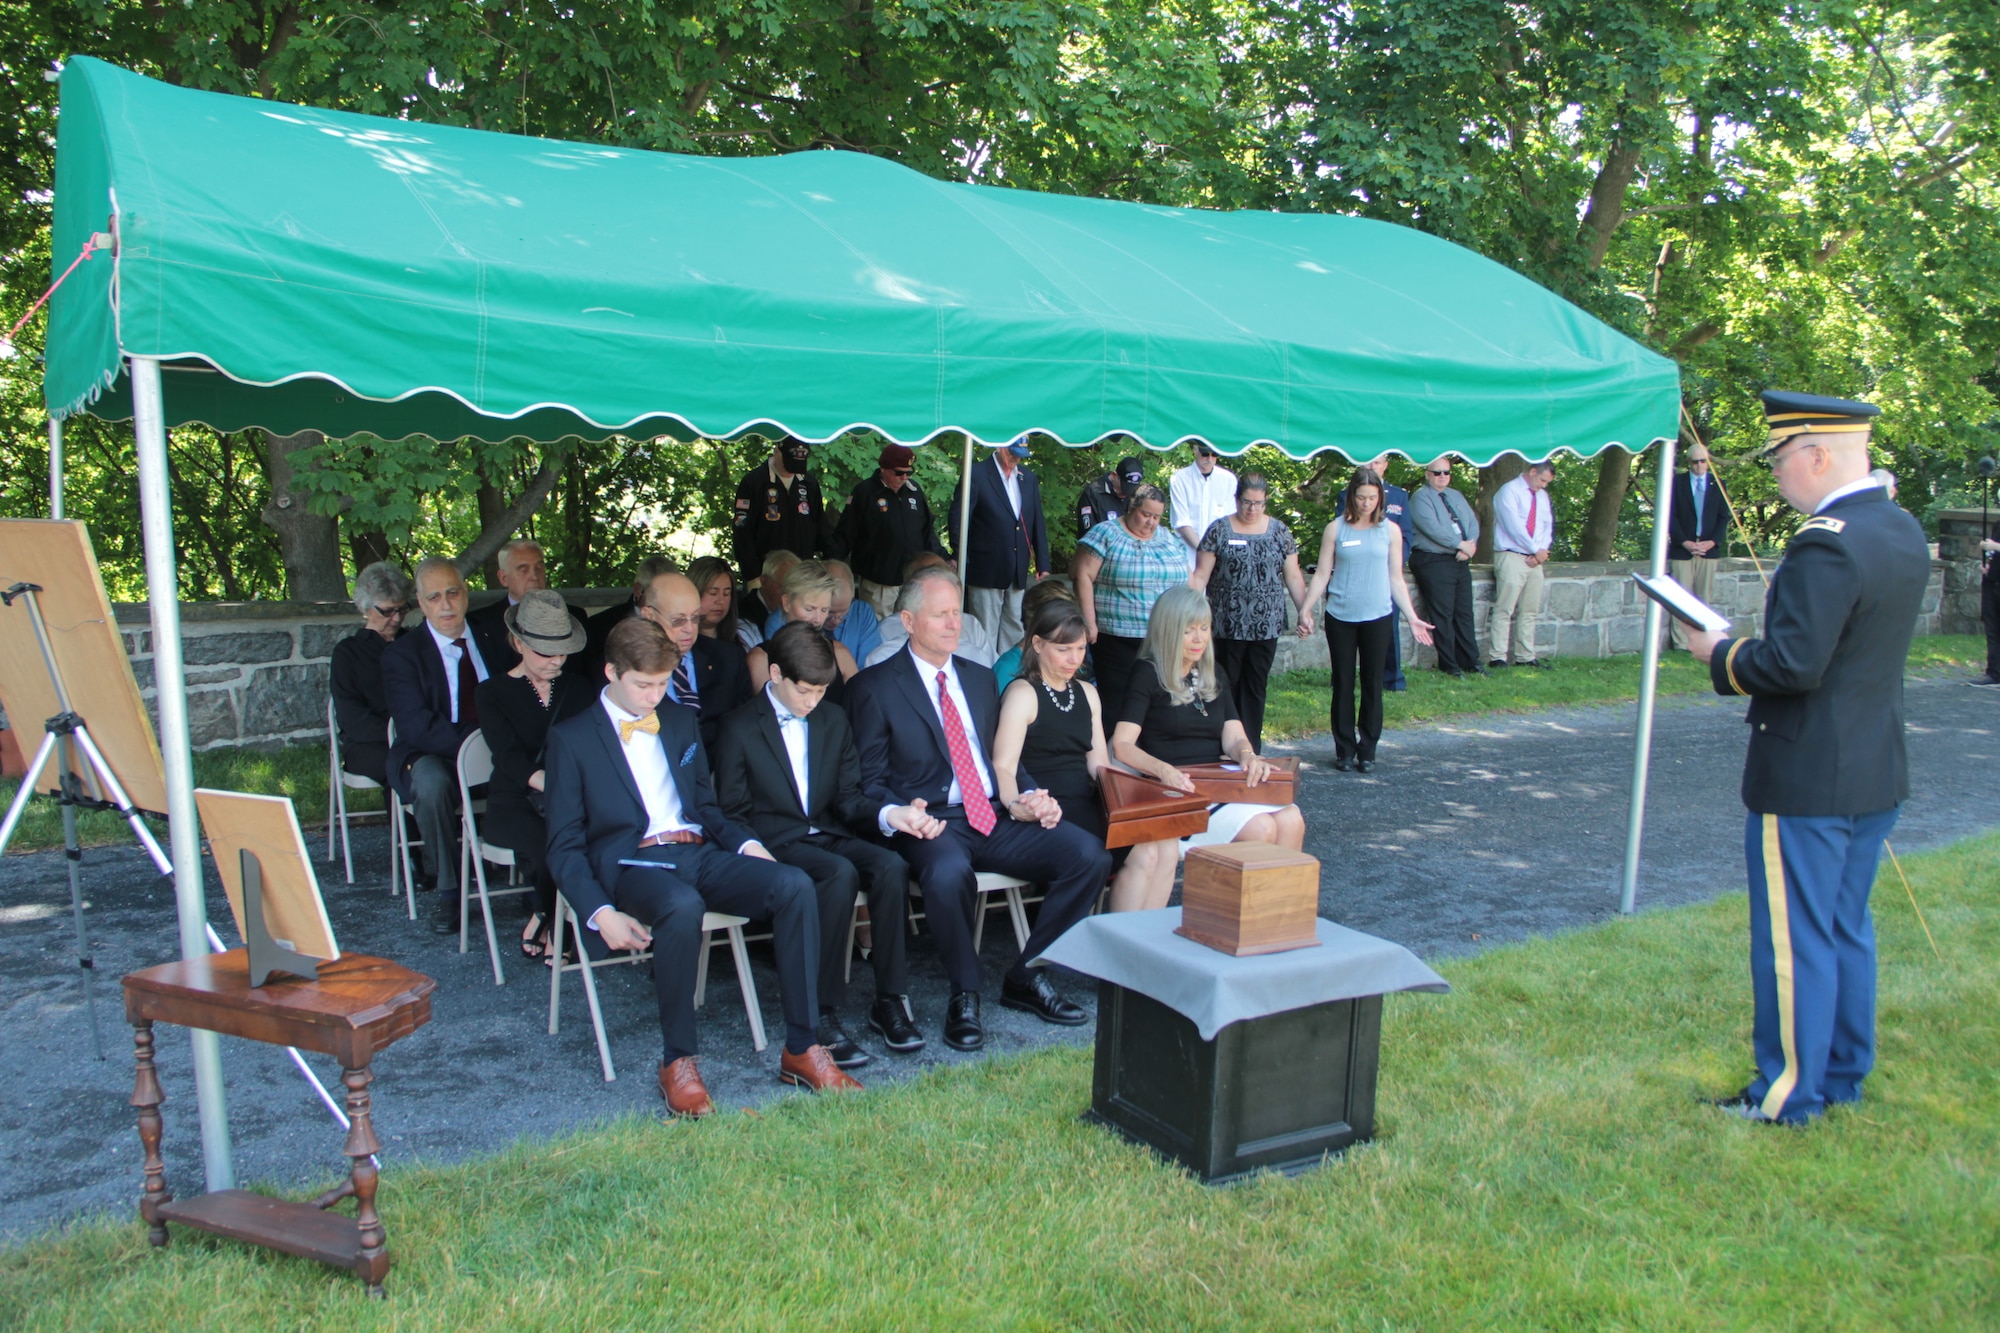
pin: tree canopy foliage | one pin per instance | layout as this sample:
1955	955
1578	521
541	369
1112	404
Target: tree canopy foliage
1771	192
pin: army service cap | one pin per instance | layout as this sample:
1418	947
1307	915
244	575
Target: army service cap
1789	415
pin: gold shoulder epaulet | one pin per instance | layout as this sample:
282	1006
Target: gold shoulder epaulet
1833	525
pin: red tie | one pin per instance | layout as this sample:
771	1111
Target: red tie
978	810
1534	507
468	686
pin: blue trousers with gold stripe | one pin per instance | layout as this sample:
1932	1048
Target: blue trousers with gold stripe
1812	957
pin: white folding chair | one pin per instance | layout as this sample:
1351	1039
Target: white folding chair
1009	889
400	840
475	769
338	783
989	883
711	922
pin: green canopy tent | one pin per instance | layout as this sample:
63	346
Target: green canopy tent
292	268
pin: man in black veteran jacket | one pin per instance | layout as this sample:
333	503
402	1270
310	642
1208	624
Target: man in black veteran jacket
785	765
1826	771
640	849
923	725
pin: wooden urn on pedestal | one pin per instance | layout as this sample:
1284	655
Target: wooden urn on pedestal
1247	898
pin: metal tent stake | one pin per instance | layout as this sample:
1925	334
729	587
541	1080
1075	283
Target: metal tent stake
1649	680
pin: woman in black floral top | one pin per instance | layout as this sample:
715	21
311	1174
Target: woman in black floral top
1247	564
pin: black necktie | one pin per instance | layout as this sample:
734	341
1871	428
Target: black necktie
468	685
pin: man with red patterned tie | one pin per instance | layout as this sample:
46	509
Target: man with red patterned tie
923	725
1523	525
430	679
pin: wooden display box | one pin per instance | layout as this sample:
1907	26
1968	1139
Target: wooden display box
1249	898
1270	1094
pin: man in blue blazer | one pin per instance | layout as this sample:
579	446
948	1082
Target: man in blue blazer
641	851
923	726
1007	532
1697	531
430	677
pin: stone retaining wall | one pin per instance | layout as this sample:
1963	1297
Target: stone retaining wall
256	671
1958	551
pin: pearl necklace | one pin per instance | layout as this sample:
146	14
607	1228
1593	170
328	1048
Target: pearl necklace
1068	700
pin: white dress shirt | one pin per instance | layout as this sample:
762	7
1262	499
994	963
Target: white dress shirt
793	730
647	759
927	676
1841	493
451	662
1512	504
1198	501
1011	483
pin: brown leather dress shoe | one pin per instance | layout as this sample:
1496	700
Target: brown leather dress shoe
686	1094
815	1071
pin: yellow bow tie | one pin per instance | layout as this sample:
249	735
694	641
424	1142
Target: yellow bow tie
650	724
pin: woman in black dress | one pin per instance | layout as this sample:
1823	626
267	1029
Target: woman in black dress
1052	724
515	713
1176	712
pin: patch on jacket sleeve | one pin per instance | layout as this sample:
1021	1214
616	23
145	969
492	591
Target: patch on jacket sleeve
1833	525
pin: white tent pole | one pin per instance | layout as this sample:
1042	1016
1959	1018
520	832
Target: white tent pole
55	469
156	518
1649	679
965	512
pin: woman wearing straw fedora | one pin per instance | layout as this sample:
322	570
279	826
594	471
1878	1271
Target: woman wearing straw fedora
515	713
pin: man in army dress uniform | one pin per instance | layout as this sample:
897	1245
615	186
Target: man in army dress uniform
779	507
886	524
1826	771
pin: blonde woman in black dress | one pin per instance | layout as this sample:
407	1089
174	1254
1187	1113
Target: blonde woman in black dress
1052	724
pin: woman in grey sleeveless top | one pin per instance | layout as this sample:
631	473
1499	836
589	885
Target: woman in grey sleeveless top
1361	572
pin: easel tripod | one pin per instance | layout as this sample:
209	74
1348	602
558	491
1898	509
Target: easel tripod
93	788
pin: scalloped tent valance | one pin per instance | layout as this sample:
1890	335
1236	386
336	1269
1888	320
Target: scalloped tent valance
299	268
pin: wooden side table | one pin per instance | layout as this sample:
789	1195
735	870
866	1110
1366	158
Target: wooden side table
359	1006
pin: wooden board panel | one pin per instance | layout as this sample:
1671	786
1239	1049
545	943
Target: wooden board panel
268	826
1139	809
280	1224
56	554
1220	784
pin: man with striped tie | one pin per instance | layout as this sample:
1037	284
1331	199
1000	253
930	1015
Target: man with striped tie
712	677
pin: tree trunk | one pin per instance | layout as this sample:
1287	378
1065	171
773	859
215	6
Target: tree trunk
1600	526
367	548
1505	468
493	534
309	543
492	504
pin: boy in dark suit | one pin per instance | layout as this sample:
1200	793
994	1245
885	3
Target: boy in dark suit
642	851
785	766
923	727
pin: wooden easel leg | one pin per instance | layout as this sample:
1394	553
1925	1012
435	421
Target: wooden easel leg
372	1264
146	1096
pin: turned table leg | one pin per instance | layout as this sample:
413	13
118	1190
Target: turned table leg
372	1265
146	1097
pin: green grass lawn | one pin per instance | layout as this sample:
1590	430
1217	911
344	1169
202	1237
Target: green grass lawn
1543	1161
1297	706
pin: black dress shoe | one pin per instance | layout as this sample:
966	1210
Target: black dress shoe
1496	663
444	918
1364	765
1038	996
1535	662
837	1043
962	1029
1341	762
890	1018
1453	672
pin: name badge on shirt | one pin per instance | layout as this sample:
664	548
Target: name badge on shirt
1238	541
1355	542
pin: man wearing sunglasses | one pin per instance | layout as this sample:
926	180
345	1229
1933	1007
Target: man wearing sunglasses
886	524
1447	534
1826	771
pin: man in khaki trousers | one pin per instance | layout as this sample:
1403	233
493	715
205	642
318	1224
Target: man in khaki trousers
1523	525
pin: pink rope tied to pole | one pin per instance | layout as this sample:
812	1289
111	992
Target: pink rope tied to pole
98	241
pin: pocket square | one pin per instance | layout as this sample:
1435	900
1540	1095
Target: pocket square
687	756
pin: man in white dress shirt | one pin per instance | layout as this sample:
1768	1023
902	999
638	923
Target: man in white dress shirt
642	851
1523	525
1201	492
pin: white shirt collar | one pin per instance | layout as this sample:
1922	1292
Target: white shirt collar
442	641
1851	488
928	673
